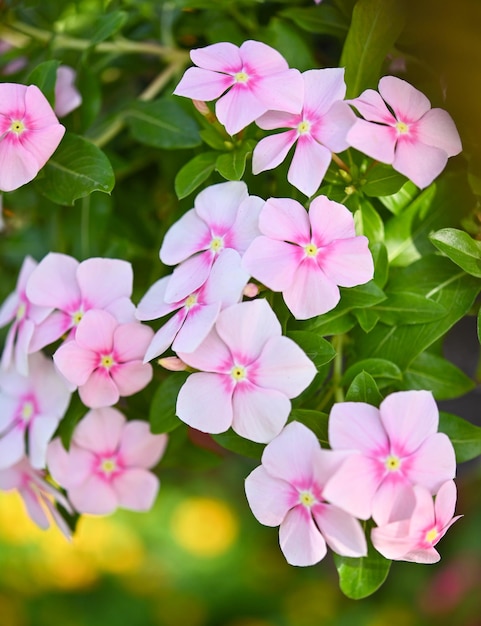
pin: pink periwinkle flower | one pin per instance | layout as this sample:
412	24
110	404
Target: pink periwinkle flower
108	462
24	317
30	410
71	288
255	77
307	255
401	128
287	491
319	129
393	448
196	314
29	134
224	216
67	96
105	360
249	372
38	495
413	538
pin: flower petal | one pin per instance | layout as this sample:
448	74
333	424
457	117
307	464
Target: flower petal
131	377
280	91
419	162
189	276
309	165
342	532
74	362
323	88
311	292
259	414
286	220
202	84
357	426
375	140
272	262
300	540
164	337
217	205
94	496
100	431
205	403
269	498
131	341
330	221
272	150
136	489
40	433
185	237
436	128
53	282
197	325
218	57
238	108
99	390
139	447
102	281
96	331
212	355
348	262
407	102
433	463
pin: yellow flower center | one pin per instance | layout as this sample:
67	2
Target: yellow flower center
17	126
241	77
107	361
108	466
216	244
27	411
306	498
431	535
190	301
392	463
303	127
76	317
311	250
402	128
21	310
238	373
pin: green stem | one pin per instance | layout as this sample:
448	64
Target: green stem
337	343
85	228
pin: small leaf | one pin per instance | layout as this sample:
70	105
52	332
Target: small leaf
397	202
465	437
162	417
194	173
232	165
438	375
323	19
381	264
409	308
107	25
317	349
383	371
315	420
364	389
235	443
45	77
460	248
368	222
367	319
382	180
76	169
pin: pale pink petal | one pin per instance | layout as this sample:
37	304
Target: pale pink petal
96	331
8	309
131	341
71	468
311	292
419	162
38	110
407	102
353	486
53	283
40	433
7	354
67	98
152	305
238	108
332	128
185	237
375	140
212	355
56	324
309	165
436	128
433	463
136	489
246	226
300	540
103	281
245	327
12	447
285	367
323	88
226	281
394	500
357	426
445	503
50	389
41	143
123	309
131	377
99	390
269	498
95	496
278	119
201	84
218	204
205	403
197	325
34	508
329	221
219	57
259	414
188	276
164	337
282	91
12	97
75	363
272	262
347	262
17	165
409	417
9	406
286	220
262	58
22	346
342	532
393	540
139	447
372	107
100	431
272	150
292	455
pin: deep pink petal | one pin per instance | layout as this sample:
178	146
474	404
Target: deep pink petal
272	150
436	128
407	102
75	363
205	403
94	496
201	84
99	390
269	498
309	165
348	262
103	281
286	220
96	331
136	489
259	414
272	262
53	283
375	140
311	292
357	426
131	377
433	463
300	540
238	108
184	238
419	162
342	532
139	447
217	205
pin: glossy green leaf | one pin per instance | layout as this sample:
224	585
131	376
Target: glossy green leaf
323	19
163	124
104	26
162	416
465	437
315	420
381	263
45	77
367	319
290	42
384	372
194	173
368	222
317	349
375	26
397	202
76	169
438	375
232	165
409	308
235	443
460	248
364	389
382	180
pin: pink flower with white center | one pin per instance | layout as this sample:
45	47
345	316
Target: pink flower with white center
60	282
105	360
255	76
108	462
416	139
29	134
307	255
224	216
393	448
196	314
249	372
287	491
37	494
30	410
413	538
25	316
319	129
67	96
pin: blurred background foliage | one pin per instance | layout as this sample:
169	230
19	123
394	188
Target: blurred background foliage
199	558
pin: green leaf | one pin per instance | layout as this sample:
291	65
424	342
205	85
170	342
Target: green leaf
213	138
375	26
317	349
323	19
384	372
359	578
460	248
76	169
397	202
315	420
194	173
232	165
235	443
367	319
162	416
438	375
409	308
364	389
365	295
333	323
465	437
368	222
382	180
45	77
163	124
291	43
381	264
107	25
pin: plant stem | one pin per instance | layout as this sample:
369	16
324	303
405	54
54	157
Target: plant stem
337	343
340	163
